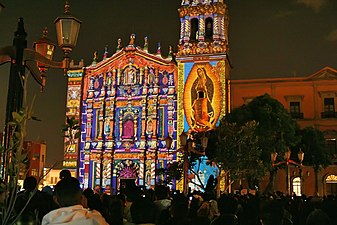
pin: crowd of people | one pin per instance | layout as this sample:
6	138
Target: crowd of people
69	204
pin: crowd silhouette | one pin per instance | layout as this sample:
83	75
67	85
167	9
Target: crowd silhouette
69	204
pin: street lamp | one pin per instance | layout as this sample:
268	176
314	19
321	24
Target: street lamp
67	29
37	61
288	161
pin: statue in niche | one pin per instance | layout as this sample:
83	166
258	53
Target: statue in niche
151	76
149	126
129	75
128	129
202	109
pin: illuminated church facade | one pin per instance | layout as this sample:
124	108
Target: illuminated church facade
128	103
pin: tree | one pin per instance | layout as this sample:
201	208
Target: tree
174	170
276	129
316	152
234	148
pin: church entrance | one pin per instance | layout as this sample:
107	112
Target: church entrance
128	183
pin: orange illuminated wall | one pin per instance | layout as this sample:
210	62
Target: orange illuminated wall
311	100
37	158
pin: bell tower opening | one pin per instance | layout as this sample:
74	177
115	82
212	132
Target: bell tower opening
209	29
194	29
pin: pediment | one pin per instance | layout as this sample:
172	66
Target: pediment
326	73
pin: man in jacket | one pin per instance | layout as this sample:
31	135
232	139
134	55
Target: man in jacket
71	212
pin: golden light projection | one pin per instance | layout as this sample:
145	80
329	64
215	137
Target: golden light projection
202	98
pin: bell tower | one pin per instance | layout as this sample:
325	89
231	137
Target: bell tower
203	64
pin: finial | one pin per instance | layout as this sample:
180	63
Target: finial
146	44
66	8
105	55
45	32
132	39
119	44
159	49
21	28
94	59
170	54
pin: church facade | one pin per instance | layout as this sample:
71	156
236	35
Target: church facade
132	100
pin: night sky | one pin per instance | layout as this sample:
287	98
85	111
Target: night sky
267	38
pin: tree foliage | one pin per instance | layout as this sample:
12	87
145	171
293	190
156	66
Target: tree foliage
234	148
276	129
313	145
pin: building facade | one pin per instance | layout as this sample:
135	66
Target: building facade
36	154
311	101
132	100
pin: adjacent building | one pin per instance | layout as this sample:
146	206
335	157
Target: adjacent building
311	101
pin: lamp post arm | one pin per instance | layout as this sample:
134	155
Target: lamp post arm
7	54
295	163
32	55
34	70
279	163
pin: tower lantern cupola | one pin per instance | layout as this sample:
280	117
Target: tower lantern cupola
203	27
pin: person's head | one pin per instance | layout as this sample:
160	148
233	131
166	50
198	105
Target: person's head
179	207
142	211
161	192
272	212
65	174
29	183
227	204
68	192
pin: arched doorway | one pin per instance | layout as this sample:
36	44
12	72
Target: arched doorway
297	186
331	184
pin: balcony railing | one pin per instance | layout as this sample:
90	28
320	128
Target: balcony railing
297	115
329	114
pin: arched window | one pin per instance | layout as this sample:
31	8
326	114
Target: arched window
297	186
194	29
209	29
331	184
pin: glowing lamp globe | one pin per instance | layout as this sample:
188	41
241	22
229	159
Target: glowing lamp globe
67	29
45	47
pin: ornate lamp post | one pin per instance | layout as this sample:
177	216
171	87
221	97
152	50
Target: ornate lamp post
288	161
37	60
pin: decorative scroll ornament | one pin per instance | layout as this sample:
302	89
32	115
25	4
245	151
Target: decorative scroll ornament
219	9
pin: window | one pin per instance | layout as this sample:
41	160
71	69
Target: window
329	108
294	102
194	29
295	110
331	145
329	105
297	186
209	29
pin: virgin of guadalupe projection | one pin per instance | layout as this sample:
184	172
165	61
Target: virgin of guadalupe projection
202	98
202	114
